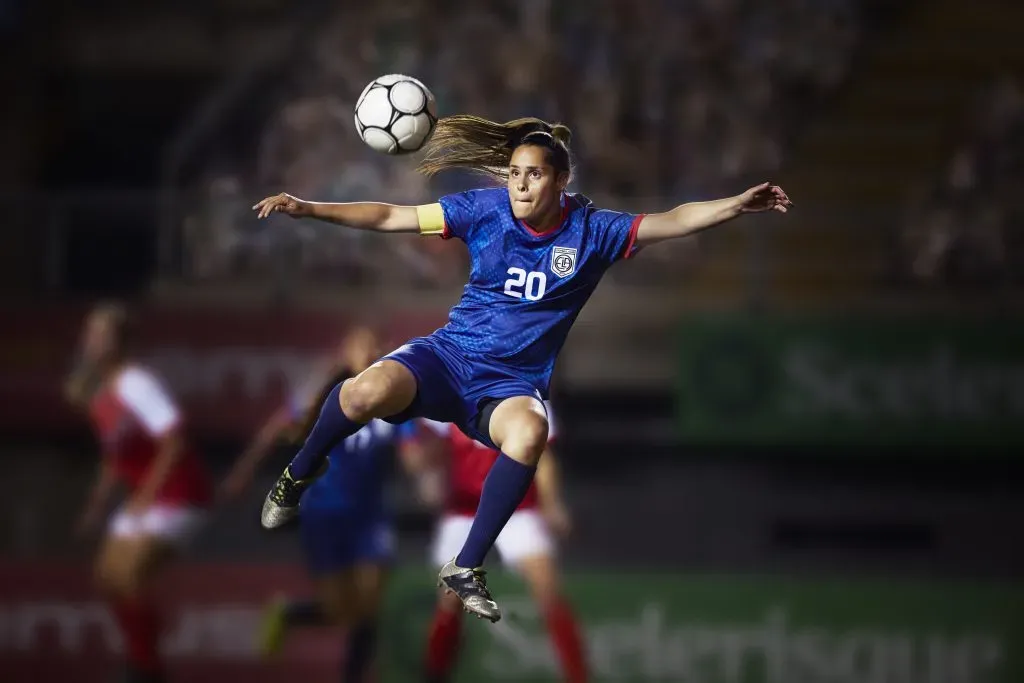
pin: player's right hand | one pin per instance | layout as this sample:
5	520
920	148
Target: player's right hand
282	203
558	519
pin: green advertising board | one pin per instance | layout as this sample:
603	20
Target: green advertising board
763	380
689	629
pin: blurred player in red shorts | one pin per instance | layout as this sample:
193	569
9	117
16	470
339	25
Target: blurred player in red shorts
144	449
526	544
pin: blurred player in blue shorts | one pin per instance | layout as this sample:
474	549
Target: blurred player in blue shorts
536	255
344	521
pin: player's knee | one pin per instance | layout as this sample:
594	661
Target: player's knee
363	397
526	438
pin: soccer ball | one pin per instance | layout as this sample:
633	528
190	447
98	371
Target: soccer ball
395	114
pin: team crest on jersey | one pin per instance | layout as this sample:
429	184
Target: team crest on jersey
563	261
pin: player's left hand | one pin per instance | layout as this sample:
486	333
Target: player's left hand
764	197
558	519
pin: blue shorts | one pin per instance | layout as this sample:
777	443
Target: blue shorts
450	388
334	539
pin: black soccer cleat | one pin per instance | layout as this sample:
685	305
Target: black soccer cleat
281	505
471	587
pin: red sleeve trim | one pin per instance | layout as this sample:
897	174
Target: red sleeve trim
631	248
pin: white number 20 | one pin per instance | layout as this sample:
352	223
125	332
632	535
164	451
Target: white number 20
532	285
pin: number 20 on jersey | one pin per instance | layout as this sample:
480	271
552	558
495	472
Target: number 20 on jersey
522	284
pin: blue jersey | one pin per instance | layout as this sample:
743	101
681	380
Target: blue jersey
526	288
354	482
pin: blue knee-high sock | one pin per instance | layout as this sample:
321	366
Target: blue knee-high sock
362	644
330	428
505	486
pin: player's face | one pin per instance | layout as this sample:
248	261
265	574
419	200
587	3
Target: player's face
534	186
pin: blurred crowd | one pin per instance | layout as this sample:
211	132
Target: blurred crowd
669	101
965	229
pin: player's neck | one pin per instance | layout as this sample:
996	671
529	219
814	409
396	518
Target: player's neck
551	219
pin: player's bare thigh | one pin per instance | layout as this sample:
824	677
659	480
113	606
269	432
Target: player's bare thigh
127	563
519	427
384	389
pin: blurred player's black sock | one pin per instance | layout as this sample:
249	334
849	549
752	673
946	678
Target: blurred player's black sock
330	428
362	644
304	613
505	486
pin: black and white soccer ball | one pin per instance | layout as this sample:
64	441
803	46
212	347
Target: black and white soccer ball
396	114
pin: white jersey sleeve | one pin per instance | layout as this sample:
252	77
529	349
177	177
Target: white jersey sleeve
148	401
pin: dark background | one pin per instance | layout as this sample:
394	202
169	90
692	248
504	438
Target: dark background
696	440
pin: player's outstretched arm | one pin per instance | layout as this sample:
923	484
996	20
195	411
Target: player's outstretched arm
102	489
360	215
549	490
687	219
169	451
244	469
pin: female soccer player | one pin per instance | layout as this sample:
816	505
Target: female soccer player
526	544
536	255
347	537
144	448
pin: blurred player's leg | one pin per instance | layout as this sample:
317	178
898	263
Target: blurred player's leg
348	599
446	627
347	553
361	648
541	575
384	389
137	547
444	639
282	615
526	544
124	566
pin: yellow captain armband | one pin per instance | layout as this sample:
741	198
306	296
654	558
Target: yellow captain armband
431	219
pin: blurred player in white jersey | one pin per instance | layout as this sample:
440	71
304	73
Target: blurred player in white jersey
145	451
